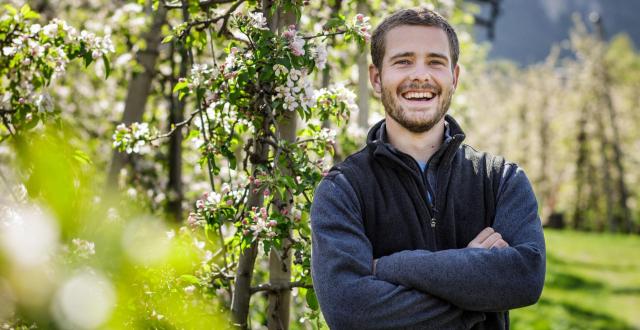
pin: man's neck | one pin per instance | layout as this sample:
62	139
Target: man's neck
420	146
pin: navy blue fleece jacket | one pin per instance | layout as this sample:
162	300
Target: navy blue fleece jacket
421	289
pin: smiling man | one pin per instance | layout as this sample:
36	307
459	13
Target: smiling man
418	230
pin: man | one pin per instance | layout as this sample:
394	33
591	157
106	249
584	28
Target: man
418	230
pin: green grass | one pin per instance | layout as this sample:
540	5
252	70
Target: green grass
593	282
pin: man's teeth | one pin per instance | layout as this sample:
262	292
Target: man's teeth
418	95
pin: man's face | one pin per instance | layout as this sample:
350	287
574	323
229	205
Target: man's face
416	81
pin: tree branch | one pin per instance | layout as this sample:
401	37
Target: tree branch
202	4
326	35
206	22
275	288
176	126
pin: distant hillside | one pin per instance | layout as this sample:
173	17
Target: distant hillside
526	29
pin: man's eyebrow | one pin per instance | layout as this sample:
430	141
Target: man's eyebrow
399	55
412	54
439	55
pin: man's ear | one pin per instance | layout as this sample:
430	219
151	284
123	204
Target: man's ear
456	74
374	78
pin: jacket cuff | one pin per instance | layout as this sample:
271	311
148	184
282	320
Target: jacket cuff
387	267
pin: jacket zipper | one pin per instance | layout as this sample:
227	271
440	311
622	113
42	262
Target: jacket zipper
429	206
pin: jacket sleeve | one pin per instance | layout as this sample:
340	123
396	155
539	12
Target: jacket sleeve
350	296
483	279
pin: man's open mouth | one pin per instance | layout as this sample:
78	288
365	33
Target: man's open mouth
418	96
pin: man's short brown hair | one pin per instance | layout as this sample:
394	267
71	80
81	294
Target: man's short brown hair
415	16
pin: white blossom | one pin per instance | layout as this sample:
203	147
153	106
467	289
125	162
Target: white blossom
320	56
8	50
297	46
258	21
280	69
361	26
189	289
35	28
44	103
296	42
83	248
50	30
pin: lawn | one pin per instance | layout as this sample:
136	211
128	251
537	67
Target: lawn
593	282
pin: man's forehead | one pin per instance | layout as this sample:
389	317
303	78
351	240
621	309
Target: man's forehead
416	39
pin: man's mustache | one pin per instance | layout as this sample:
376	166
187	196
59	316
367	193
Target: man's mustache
420	86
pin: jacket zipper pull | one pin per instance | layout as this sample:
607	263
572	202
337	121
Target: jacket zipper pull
433	222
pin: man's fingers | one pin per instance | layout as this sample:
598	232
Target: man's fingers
488	239
481	237
492	239
499	244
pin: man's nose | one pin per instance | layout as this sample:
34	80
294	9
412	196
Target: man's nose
420	72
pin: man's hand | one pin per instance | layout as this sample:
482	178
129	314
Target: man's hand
488	239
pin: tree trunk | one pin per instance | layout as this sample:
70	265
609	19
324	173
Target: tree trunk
326	80
246	261
581	169
139	87
623	213
280	259
279	265
174	186
363	78
625	221
543	178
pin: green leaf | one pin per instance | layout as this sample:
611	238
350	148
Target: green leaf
180	85
267	246
12	11
192	134
312	300
82	157
189	279
87	59
167	39
28	13
334	22
107	66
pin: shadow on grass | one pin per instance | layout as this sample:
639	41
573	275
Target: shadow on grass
552	259
568	281
557	278
626	291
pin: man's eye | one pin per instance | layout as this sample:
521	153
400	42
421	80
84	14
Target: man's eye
436	63
403	62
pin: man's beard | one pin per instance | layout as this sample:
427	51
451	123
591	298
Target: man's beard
393	108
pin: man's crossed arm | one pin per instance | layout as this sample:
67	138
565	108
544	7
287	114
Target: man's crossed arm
486	239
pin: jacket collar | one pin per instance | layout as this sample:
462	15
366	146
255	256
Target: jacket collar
378	144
